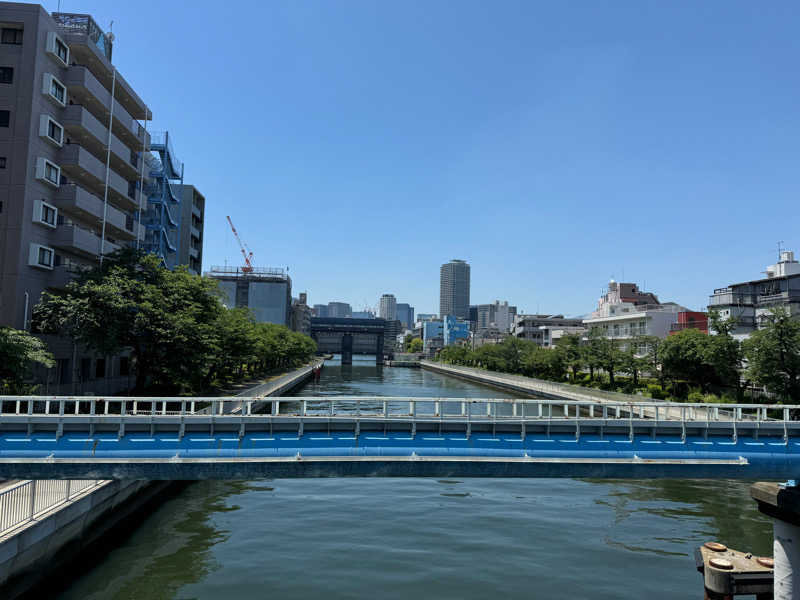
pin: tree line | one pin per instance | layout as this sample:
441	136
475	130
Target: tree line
689	365
181	338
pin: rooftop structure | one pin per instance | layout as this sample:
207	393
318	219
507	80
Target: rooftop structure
266	292
749	302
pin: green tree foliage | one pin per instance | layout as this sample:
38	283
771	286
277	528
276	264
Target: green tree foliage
19	351
684	357
415	345
572	352
773	355
725	352
180	335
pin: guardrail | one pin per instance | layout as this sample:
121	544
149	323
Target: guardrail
76	408
22	502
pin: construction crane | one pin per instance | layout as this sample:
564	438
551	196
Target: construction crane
246	252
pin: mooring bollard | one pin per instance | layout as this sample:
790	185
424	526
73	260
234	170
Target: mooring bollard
728	573
782	503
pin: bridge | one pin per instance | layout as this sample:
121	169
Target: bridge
202	438
349	336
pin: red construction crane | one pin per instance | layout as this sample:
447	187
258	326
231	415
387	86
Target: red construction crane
246	252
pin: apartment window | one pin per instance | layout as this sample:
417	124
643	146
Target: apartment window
86	368
64	372
44	213
124	366
51	130
57	47
5	118
2	162
47	171
11	36
100	368
6	74
132	190
54	89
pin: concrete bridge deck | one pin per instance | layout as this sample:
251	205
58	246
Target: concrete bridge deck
172	438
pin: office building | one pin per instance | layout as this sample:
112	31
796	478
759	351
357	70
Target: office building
749	302
454	329
340	310
454	289
320	310
363	314
388	307
405	314
498	315
266	292
190	245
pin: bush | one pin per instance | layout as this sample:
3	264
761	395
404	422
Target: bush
655	391
697	397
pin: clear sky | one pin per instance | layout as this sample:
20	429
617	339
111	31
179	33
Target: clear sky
552	145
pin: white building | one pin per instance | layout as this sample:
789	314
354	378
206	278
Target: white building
625	312
538	328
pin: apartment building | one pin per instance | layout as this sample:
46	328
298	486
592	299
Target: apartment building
69	188
498	315
454	286
625	312
545	330
749	302
388	307
193	216
60	209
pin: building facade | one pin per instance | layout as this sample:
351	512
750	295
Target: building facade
540	328
388	307
689	319
266	292
454	288
301	314
498	315
749	303
193	216
626	312
58	214
405	314
454	329
339	310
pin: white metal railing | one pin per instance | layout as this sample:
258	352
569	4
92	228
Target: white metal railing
76	409
22	502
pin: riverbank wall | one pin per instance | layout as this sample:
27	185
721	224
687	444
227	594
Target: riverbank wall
50	540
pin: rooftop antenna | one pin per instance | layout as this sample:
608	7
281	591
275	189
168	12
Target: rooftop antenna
110	33
780	249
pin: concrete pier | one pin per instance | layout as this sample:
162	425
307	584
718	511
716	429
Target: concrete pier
782	503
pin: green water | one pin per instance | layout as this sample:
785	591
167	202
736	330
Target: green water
423	538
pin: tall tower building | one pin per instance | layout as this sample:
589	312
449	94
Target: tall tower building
388	307
454	289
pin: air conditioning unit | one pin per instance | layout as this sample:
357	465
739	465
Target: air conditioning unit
45	121
54	89
43	166
57	48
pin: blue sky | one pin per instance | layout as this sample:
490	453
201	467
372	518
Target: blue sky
551	145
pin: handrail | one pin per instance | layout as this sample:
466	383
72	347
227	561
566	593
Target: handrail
22	502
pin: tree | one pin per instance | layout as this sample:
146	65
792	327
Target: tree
593	350
685	357
414	345
167	318
19	351
724	352
571	349
630	360
609	357
652	358
773	355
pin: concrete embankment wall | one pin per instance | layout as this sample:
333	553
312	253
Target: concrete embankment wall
32	552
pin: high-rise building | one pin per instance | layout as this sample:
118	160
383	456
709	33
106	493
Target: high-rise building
266	292
388	307
454	289
193	211
301	314
340	310
320	310
60	208
405	314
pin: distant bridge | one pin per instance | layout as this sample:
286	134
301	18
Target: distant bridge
350	336
185	438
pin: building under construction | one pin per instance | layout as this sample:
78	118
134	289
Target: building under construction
266	292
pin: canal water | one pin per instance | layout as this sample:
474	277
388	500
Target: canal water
423	538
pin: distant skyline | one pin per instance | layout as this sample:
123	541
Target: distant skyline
550	145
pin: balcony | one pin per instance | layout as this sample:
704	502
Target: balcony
88	45
84	168
196	212
86	90
77	202
195	232
83	128
728	298
194	252
78	240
